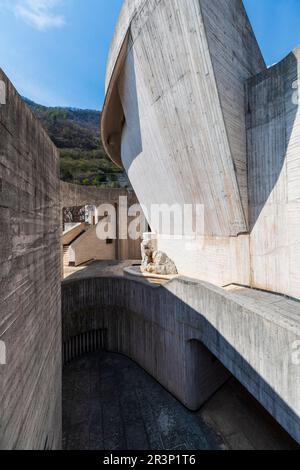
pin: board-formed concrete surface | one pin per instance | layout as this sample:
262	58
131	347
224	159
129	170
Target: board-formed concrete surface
273	131
30	301
110	403
184	332
203	121
184	136
178	76
72	195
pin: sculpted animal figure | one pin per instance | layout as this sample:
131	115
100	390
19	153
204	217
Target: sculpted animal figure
156	262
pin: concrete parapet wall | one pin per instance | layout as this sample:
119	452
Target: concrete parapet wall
30	307
70	235
273	131
171	331
183	137
72	195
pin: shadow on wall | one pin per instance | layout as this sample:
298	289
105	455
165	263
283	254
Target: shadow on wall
131	141
271	112
171	340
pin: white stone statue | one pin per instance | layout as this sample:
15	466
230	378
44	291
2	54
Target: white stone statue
154	261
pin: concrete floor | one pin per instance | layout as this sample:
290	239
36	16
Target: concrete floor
110	403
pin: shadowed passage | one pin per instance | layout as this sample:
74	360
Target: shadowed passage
110	403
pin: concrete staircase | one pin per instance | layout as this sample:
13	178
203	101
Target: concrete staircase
66	257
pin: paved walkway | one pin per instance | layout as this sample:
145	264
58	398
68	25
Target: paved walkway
110	403
97	269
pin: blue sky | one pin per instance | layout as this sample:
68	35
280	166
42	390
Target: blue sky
55	51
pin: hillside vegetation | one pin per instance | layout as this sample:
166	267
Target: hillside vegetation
76	133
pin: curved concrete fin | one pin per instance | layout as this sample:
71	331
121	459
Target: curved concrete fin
235	57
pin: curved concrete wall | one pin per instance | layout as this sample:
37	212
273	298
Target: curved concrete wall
158	328
273	131
30	301
72	233
88	247
72	195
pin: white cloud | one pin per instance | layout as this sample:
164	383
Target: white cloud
40	14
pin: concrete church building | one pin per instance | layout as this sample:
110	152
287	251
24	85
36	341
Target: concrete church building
195	117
